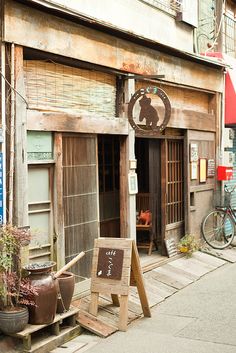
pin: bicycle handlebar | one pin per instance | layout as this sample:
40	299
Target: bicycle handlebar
226	188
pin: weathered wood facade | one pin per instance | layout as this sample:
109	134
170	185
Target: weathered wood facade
73	142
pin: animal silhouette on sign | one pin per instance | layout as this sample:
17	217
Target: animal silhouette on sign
148	112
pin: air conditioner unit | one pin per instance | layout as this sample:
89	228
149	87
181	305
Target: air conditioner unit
188	12
229	158
228	137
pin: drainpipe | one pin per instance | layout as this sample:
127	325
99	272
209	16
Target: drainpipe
221	156
12	135
3	150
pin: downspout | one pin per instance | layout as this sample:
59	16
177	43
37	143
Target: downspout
3	110
12	135
221	156
222	122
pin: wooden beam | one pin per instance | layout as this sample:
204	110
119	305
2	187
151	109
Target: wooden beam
72	122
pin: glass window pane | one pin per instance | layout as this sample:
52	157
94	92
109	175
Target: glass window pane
38	184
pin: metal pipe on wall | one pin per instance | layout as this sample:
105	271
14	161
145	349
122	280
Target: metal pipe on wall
12	135
3	123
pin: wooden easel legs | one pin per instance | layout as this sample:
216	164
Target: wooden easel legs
123	318
121	301
93	307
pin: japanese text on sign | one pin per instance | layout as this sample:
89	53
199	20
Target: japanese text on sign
110	262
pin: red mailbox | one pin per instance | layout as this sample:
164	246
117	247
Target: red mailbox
224	173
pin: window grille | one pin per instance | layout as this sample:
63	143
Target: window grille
229	34
175	182
170	6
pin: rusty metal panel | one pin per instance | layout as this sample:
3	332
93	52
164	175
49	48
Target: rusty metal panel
35	29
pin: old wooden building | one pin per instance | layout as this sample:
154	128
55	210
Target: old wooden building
68	73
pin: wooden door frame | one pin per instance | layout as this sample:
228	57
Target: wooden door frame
163	150
163	193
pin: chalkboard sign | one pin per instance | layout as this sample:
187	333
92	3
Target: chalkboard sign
110	263
115	268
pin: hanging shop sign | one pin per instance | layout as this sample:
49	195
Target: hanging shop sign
140	109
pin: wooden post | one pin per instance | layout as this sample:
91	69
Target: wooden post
21	167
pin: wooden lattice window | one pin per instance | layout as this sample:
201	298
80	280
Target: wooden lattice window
175	182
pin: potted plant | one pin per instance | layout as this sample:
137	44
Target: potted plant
15	291
188	244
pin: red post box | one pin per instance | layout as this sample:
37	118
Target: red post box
224	173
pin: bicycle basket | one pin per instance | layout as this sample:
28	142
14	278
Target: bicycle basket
220	200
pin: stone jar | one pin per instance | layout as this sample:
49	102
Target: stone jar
41	278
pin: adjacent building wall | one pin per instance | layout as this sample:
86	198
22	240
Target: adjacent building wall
141	18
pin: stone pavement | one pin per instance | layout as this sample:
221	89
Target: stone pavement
195	319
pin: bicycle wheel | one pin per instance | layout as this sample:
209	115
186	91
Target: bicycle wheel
218	229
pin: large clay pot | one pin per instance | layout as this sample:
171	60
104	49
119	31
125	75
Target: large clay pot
66	284
46	301
13	321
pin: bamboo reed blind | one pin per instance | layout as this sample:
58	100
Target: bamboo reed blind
51	86
175	182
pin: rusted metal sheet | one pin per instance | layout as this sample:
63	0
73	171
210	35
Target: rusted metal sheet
35	29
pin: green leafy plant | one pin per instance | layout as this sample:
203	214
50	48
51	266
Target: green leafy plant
188	244
14	289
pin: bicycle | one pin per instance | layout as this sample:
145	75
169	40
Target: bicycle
218	227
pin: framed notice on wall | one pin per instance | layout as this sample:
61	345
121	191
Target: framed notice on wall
193	170
211	168
193	152
202	170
